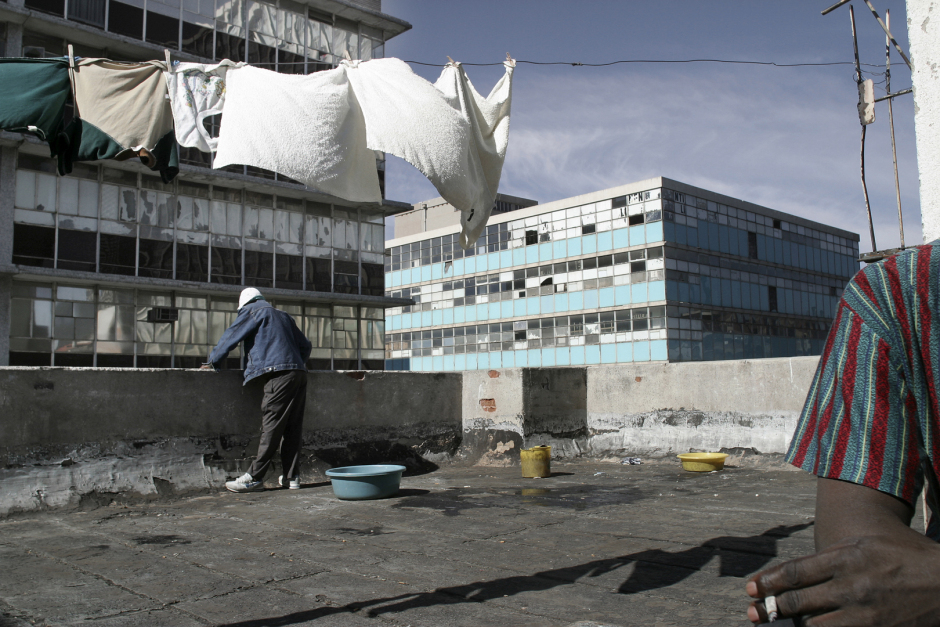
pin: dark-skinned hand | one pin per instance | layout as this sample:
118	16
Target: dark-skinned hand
885	574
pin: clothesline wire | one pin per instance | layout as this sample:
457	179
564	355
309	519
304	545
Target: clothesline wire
578	63
731	61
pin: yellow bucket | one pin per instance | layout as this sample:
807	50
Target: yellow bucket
702	462
536	461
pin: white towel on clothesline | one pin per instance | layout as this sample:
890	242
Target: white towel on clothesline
309	128
321	129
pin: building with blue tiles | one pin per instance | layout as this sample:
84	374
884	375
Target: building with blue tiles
651	271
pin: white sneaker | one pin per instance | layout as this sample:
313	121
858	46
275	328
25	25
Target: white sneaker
245	483
294	483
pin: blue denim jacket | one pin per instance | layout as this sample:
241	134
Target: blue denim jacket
272	341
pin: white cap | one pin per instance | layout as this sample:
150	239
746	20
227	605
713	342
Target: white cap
249	294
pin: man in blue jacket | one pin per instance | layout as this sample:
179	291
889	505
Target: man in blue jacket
277	353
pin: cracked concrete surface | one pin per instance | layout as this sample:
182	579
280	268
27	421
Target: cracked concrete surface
475	546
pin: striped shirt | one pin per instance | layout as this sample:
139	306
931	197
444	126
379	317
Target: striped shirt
872	416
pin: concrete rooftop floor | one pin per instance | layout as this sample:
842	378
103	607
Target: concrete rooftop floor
596	543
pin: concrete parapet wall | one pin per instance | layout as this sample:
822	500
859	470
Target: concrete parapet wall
68	434
666	408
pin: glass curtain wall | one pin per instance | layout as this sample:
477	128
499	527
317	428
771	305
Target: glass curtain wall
110	221
65	324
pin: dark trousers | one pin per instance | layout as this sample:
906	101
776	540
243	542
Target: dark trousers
282	421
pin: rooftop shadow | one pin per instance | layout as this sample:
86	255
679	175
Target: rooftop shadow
740	556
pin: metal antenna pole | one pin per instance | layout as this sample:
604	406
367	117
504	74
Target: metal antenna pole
894	150
858	79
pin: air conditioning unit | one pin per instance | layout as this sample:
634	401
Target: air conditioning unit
163	314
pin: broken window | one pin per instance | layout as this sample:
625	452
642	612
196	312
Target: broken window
155	259
127	20
226	265
289	272
77	250
346	277
259	268
118	254
192	263
33	245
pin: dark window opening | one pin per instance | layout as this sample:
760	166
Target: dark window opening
634	220
226	266
87	11
74	360
619	201
266	56
33	245
30	359
260	172
752	245
772	297
345	277
123	19
77	250
155	259
776	224
289	273
373	279
289	63
259	269
531	237
193	363
115	361
163	30
588	228
605	261
319	277
153	361
55	7
229	47
192	263
197	40
118	254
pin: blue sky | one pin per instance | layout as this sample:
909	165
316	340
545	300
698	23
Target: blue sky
785	138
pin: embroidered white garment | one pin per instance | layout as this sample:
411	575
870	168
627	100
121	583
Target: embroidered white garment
309	128
321	130
196	92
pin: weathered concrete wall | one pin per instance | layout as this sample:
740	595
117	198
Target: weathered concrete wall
655	409
68	434
492	415
923	31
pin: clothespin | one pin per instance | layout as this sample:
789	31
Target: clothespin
169	63
451	60
346	54
71	57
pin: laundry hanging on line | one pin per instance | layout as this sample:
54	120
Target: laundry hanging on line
121	112
321	129
329	123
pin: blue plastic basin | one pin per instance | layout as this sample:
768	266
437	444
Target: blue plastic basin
357	483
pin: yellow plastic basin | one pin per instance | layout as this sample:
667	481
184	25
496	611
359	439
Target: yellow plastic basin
702	462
